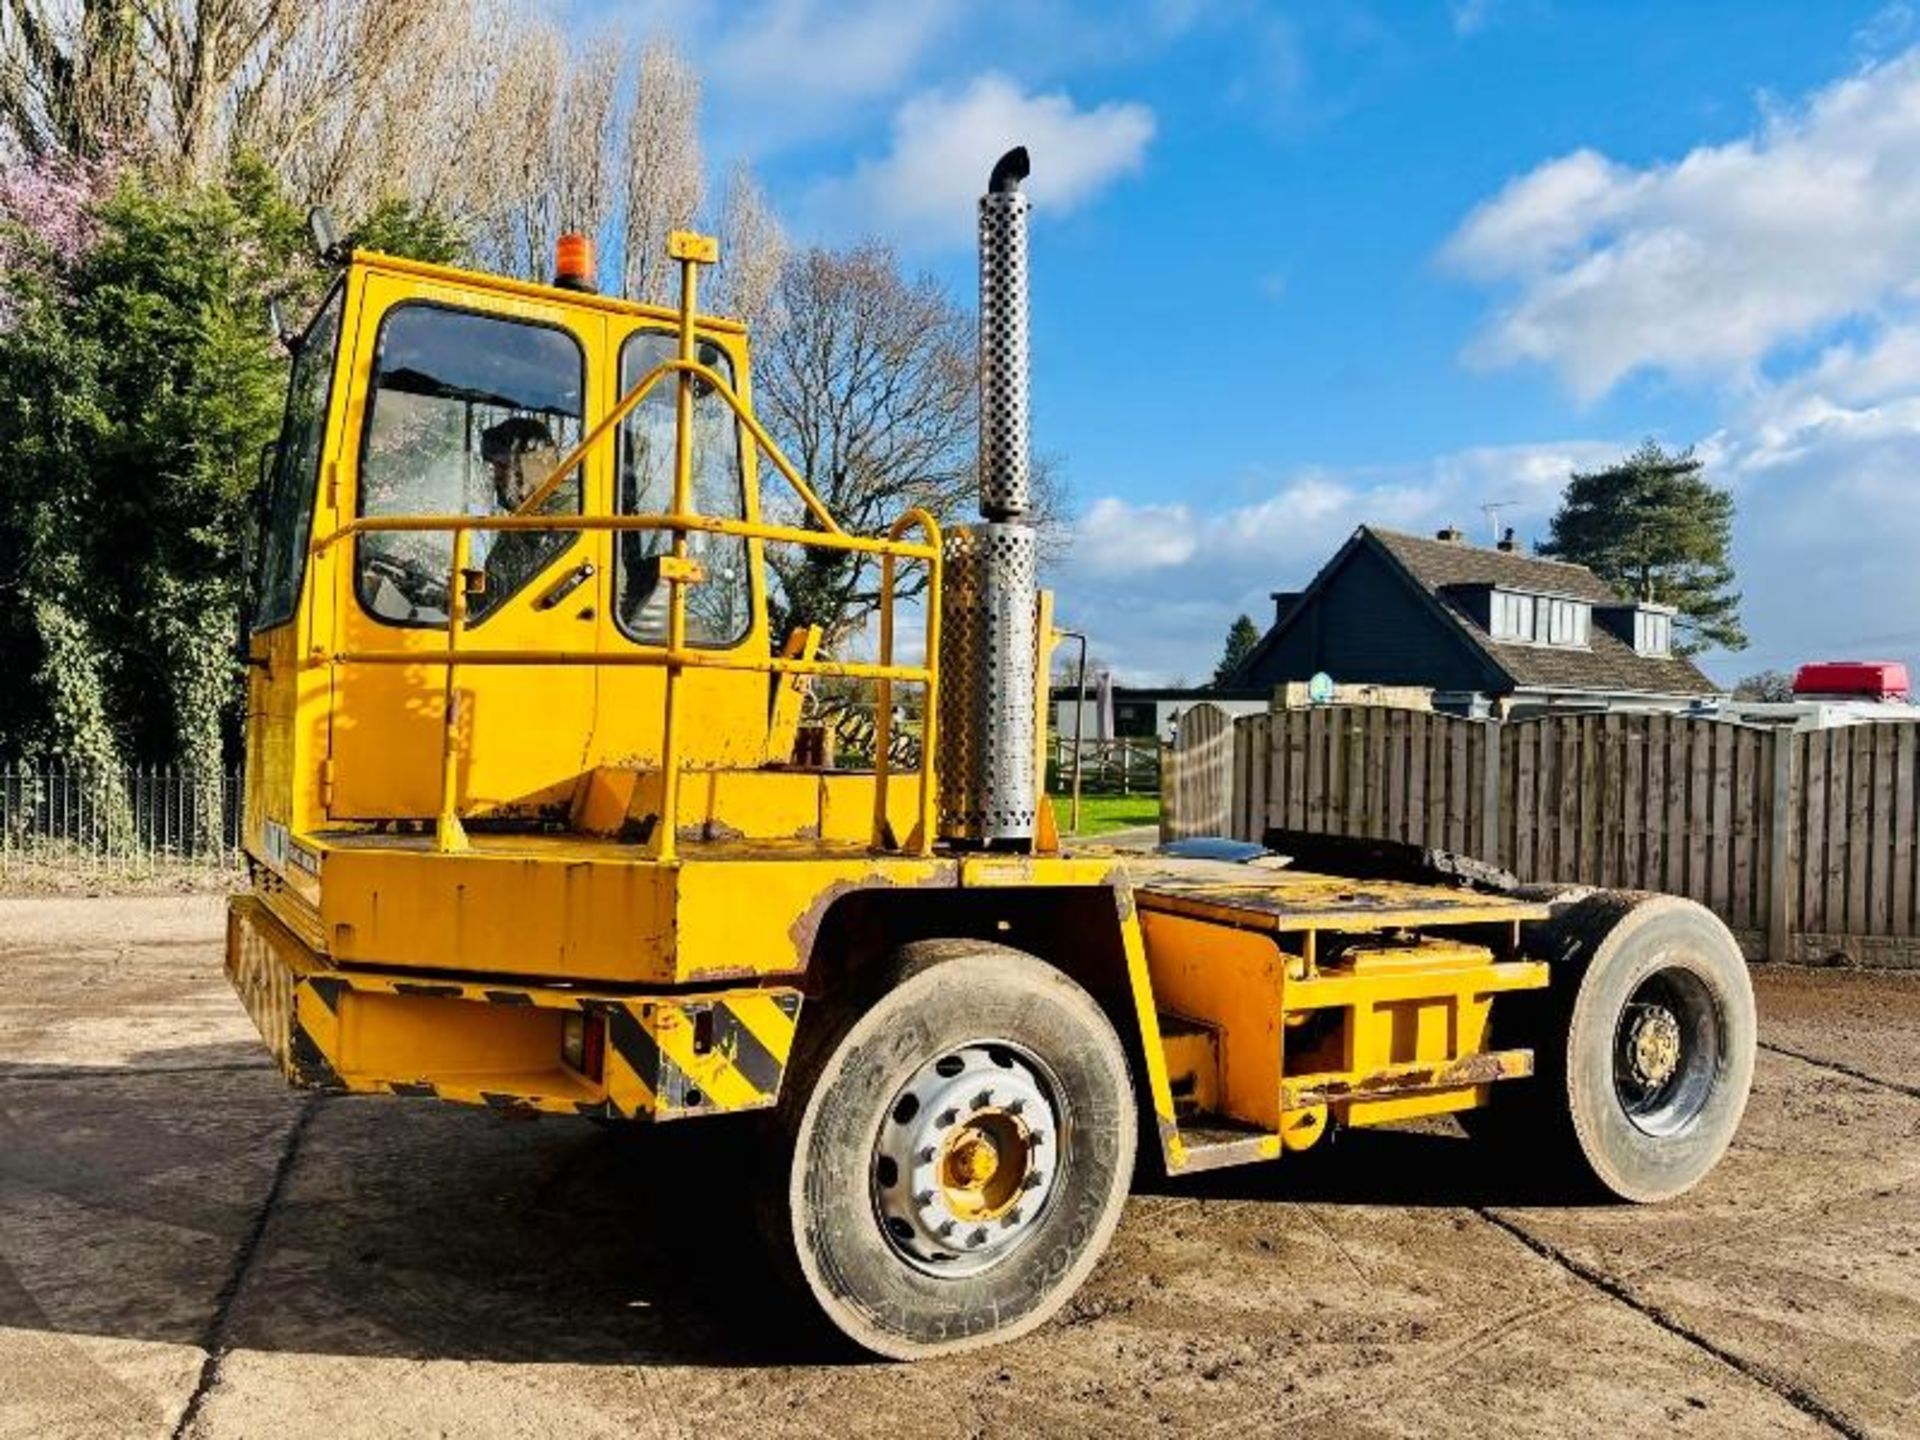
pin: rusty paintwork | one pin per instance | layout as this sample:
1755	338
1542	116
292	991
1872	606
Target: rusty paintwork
1307	1091
1292	900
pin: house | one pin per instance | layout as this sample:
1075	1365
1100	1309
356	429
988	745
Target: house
1488	629
1144	713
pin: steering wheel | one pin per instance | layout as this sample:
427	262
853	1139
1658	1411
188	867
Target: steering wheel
418	583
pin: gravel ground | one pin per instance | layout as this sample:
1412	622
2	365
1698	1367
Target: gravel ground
186	1247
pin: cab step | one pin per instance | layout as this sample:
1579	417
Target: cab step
1214	1142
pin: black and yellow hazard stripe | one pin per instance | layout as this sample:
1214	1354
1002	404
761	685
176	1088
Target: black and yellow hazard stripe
701	1055
666	1057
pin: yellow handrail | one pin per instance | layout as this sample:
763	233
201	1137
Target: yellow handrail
706	524
883	694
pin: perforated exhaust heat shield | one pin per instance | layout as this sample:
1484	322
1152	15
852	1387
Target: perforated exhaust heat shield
1006	490
987	662
988	643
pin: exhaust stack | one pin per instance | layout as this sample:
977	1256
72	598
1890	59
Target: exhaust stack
989	645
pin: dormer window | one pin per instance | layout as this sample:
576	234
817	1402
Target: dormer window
1522	619
1648	628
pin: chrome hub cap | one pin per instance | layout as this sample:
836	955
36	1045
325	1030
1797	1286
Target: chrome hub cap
966	1159
1668	1051
1654	1045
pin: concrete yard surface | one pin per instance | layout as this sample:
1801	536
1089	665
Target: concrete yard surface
189	1248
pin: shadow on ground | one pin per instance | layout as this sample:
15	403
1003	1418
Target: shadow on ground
417	1230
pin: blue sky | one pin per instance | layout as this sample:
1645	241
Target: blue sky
1302	266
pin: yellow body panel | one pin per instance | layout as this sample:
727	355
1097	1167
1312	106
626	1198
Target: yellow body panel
1232	981
1376	1031
500	1045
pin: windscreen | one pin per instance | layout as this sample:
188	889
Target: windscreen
467	415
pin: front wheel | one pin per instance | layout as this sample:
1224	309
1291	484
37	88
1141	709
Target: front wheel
956	1151
1644	1044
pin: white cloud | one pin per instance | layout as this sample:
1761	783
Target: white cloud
1116	538
783	51
945	141
1825	468
1156	585
1705	267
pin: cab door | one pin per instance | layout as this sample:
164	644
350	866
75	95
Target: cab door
467	398
726	709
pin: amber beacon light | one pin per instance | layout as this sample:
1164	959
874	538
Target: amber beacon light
573	262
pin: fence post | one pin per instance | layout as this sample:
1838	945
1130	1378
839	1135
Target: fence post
1490	795
1780	866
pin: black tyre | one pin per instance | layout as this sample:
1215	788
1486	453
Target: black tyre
955	1149
1643	1045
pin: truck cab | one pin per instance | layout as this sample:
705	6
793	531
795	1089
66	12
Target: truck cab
420	391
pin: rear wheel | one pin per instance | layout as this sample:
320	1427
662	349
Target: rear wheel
956	1151
1643	1045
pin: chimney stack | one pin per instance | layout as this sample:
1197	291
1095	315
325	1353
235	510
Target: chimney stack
1452	535
1507	542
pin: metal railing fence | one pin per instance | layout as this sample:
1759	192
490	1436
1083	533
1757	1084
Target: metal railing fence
1107	767
129	822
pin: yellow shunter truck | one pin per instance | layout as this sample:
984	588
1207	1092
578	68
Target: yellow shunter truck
532	823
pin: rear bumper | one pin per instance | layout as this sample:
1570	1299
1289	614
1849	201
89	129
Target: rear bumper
360	1031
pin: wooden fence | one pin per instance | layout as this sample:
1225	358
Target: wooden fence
1803	842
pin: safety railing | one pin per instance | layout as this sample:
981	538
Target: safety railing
678	570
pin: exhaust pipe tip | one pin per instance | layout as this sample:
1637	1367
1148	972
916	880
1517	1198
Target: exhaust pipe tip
1008	171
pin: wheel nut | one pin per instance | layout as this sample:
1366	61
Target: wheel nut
983	1100
926	1155
924	1198
1013	1216
979	1237
948	1117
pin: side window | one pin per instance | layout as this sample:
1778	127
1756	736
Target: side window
719	609
296	470
467	414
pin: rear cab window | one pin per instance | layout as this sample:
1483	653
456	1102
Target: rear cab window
720	608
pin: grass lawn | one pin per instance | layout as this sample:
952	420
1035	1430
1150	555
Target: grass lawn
1102	813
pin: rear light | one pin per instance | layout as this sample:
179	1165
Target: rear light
583	1044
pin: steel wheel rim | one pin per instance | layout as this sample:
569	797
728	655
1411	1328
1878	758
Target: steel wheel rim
1669	1046
967	1158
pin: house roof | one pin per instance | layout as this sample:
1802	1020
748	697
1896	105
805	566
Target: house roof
1437	564
1440	567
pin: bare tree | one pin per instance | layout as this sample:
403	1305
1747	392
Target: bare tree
585	178
665	178
198	51
515	190
753	251
870	385
69	81
479	108
361	101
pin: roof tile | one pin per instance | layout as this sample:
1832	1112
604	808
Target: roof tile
1609	665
